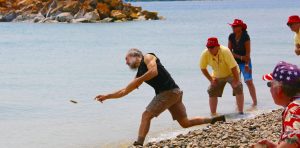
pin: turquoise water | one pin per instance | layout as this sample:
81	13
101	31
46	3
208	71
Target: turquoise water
43	66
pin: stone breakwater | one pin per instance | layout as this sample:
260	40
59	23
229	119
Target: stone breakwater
72	11
235	134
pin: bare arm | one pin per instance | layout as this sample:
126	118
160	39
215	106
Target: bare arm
236	76
246	58
229	45
297	49
122	92
206	74
150	61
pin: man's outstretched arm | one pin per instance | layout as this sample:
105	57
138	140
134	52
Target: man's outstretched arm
122	92
150	61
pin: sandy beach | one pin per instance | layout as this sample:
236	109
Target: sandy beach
241	133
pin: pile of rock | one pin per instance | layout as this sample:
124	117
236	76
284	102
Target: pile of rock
242	133
71	11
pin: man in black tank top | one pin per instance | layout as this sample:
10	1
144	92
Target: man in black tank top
168	95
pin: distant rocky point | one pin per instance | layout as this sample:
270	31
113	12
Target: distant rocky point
72	11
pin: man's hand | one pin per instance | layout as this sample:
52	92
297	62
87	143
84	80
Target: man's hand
235	83
214	82
267	143
101	98
247	69
297	51
236	56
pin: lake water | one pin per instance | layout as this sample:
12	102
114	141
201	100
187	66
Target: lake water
43	66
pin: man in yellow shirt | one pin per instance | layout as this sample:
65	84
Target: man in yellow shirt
225	70
294	24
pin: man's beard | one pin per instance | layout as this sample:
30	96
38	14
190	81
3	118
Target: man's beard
133	67
132	64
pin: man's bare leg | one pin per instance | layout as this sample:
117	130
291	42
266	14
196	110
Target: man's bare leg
213	102
144	127
240	103
185	122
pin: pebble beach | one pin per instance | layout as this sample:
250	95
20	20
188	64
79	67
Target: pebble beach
232	134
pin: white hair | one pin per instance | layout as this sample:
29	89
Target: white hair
135	52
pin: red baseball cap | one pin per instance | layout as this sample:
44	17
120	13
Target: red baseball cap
293	19
238	22
212	42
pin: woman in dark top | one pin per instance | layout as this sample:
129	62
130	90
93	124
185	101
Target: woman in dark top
239	44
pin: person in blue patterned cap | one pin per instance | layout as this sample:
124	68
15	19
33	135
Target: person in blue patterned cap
284	85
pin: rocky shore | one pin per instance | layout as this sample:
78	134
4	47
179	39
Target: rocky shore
242	133
72	11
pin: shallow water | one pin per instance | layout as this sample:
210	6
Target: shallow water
43	66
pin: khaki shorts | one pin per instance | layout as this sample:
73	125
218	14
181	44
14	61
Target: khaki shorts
171	100
217	90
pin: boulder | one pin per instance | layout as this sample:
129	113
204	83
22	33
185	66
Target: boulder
64	17
92	3
103	10
71	6
136	9
25	17
117	14
107	20
150	15
48	20
55	7
25	2
80	20
38	18
86	6
9	17
79	14
134	16
71	10
92	16
116	4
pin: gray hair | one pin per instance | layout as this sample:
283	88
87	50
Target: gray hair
135	52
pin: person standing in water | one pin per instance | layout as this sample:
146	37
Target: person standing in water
239	44
294	24
168	94
225	70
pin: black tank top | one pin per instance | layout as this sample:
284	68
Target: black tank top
162	82
238	47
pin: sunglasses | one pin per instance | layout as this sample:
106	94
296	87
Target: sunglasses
270	84
211	47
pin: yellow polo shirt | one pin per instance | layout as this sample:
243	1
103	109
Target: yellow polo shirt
221	64
297	38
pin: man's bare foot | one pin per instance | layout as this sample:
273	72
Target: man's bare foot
214	114
252	108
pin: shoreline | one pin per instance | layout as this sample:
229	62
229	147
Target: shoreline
73	11
240	133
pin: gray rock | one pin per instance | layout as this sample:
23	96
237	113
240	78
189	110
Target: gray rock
80	20
24	18
38	18
9	17
92	16
79	14
64	17
107	20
